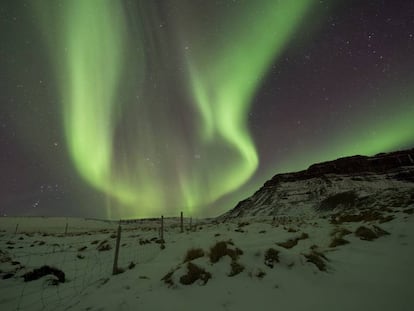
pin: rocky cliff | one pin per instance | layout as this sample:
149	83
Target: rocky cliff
356	182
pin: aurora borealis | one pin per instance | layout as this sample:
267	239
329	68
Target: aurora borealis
141	108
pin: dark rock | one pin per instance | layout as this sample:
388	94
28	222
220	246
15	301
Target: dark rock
345	199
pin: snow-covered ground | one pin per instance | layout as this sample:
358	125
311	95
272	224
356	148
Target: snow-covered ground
361	275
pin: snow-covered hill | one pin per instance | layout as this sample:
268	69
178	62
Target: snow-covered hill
318	263
354	183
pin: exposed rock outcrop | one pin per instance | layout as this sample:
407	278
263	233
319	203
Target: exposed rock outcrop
386	179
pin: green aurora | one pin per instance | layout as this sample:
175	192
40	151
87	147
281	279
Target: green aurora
155	100
222	75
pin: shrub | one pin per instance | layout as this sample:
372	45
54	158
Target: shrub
234	253
236	268
366	234
289	243
42	271
386	219
194	273
104	246
143	242
318	259
7	275
409	211
338	242
242	224
293	242
260	274
340	232
271	256
168	278
379	231
218	251
193	253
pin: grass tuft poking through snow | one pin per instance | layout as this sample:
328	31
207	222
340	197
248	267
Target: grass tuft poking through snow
367	234
36	274
193	253
318	259
236	268
293	242
220	250
195	273
271	257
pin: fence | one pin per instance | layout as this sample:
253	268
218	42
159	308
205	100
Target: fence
88	252
87	258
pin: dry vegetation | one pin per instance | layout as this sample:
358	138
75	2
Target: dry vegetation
365	216
340	232
367	234
337	236
318	259
338	242
104	246
271	257
45	270
193	253
260	274
195	273
168	278
409	211
236	268
293	242
220	249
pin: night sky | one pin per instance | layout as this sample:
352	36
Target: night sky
129	109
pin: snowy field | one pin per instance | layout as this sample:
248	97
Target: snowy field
312	263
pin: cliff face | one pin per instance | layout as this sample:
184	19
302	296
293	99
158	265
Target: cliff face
386	179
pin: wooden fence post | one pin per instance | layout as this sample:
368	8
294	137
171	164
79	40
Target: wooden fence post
118	240
17	227
182	223
66	229
162	229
